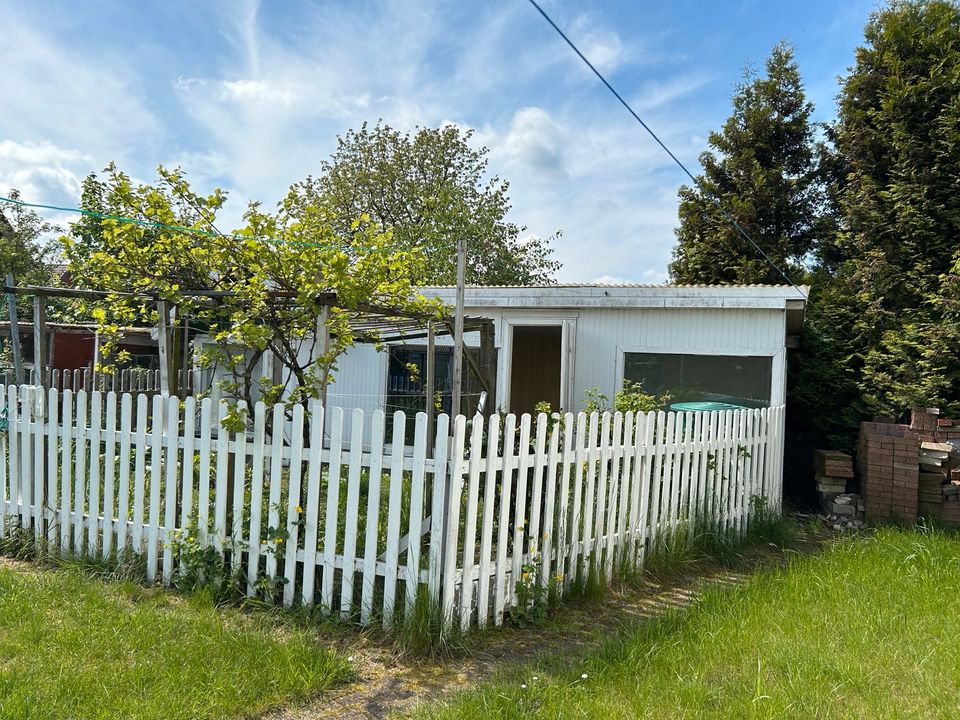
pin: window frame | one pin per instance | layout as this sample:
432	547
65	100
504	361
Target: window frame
778	363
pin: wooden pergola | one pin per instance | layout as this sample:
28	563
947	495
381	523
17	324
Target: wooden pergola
371	323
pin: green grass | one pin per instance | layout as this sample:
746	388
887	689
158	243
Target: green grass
76	647
867	628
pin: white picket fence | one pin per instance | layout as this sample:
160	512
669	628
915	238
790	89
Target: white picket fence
360	524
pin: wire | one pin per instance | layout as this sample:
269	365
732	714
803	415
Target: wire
667	150
183	229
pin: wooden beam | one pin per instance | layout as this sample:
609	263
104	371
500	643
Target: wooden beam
323	342
488	365
431	386
14	329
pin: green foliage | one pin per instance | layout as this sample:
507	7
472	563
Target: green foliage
26	251
535	600
630	398
430	188
202	569
280	266
883	333
424	634
763	169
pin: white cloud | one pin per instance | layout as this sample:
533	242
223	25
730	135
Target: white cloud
534	141
42	171
52	93
657	93
605	50
608	280
258	91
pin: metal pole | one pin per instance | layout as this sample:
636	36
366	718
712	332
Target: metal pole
458	325
14	332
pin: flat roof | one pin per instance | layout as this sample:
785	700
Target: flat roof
571	296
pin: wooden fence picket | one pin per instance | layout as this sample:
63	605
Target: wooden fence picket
417	487
311	529
393	514
486	530
351	517
99	473
109	472
372	519
53	462
576	513
500	589
469	565
277	543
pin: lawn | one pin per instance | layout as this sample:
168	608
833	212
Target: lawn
869	627
76	647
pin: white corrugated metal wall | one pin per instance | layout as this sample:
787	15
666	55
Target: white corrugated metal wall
599	336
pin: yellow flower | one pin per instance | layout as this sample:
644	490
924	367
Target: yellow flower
278	540
298	510
558	577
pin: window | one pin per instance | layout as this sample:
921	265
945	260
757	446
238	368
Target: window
735	379
407	390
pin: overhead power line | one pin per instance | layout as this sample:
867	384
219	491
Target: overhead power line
696	182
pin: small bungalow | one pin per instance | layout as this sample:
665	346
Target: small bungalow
716	344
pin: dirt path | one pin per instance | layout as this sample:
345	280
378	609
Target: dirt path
388	683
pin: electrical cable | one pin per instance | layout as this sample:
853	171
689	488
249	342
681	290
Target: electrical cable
667	150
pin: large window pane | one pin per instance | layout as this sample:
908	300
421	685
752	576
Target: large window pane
740	380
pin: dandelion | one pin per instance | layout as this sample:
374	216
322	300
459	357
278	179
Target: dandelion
583	676
350	659
558	577
535	678
278	540
523	686
298	509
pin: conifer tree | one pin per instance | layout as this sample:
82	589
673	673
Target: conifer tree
763	168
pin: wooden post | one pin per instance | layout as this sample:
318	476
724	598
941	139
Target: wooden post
488	365
431	385
14	332
323	342
40	339
165	341
458	326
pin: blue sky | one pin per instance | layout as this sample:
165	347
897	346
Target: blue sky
251	96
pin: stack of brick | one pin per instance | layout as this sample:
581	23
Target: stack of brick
939	482
833	470
889	468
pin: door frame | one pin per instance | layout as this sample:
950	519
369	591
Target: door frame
568	333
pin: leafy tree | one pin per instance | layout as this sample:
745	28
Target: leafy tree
431	188
899	134
24	248
273	274
884	329
764	170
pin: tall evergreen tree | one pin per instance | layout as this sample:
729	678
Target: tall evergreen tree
888	314
763	169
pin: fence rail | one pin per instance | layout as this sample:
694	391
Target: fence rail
361	523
